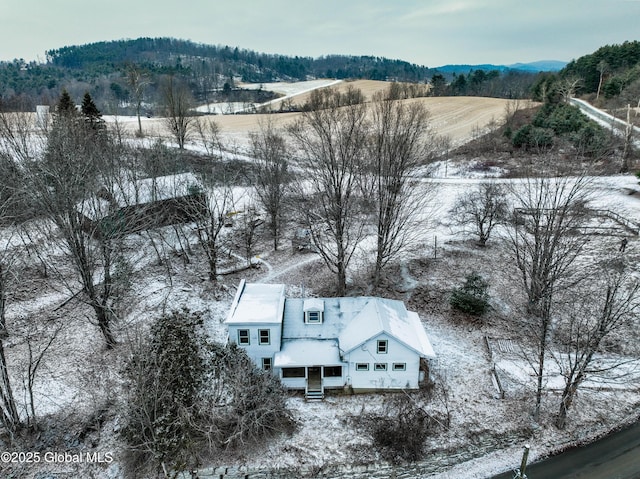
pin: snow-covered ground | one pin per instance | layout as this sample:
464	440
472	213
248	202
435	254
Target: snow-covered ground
287	89
482	424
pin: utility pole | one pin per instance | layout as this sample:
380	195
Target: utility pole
520	473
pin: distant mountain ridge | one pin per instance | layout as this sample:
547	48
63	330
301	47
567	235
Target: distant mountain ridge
532	67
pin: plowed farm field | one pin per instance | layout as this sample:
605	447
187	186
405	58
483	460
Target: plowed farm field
455	117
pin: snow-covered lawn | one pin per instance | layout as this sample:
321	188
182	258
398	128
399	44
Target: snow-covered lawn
78	374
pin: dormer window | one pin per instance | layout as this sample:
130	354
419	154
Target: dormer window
313	311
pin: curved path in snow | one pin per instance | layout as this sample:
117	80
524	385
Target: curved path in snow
276	274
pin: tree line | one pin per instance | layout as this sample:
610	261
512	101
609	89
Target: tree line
101	68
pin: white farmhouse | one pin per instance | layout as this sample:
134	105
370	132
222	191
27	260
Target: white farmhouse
360	344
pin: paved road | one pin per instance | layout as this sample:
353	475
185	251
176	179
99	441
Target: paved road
605	119
614	457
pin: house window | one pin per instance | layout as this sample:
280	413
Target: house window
332	371
313	310
380	367
293	372
263	336
362	366
399	366
266	364
383	346
243	336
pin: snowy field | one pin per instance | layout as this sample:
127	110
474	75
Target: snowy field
487	433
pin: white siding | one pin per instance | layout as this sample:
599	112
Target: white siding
389	379
254	349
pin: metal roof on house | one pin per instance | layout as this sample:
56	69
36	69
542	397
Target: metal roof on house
313	304
307	352
257	303
390	317
353	321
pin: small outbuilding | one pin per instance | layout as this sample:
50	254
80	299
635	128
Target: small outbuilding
132	206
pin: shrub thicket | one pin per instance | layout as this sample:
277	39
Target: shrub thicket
188	398
407	419
560	120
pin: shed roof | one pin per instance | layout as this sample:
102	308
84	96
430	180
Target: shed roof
257	303
139	192
307	352
160	188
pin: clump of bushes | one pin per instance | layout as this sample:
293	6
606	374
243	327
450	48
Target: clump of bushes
187	397
530	136
555	120
400	430
472	297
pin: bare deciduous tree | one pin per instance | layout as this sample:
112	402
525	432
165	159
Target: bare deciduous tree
9	416
545	244
272	176
177	103
38	338
211	218
331	141
65	184
138	81
399	145
248	232
567	87
611	302
603	68
482	208
209	134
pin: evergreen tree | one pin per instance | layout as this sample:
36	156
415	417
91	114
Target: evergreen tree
472	298
92	115
65	106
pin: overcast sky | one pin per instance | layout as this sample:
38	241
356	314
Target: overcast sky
426	32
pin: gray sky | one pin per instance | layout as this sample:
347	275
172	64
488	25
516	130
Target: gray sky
427	32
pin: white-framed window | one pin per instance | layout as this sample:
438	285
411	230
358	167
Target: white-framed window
383	346
380	367
313	310
243	336
362	366
399	366
266	364
263	336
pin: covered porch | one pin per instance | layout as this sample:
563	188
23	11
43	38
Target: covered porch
310	365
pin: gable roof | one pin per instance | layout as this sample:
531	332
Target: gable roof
313	304
354	321
390	317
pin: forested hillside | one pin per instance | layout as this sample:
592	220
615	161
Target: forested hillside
107	70
102	68
611	71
